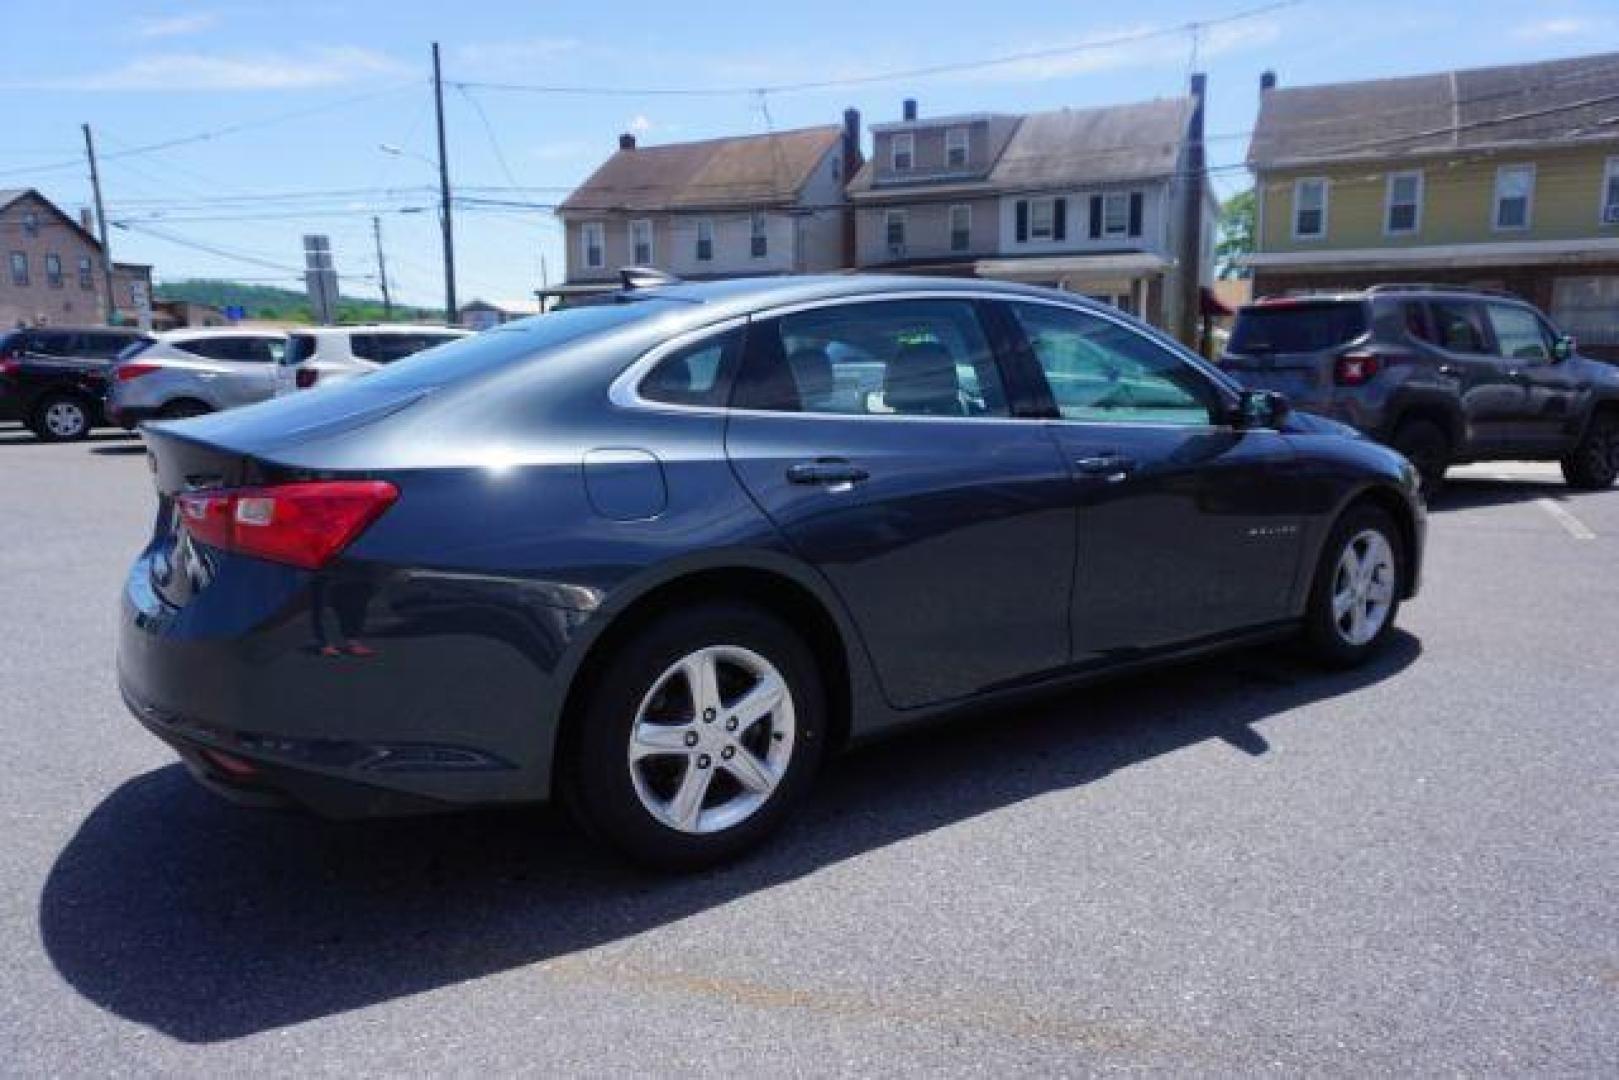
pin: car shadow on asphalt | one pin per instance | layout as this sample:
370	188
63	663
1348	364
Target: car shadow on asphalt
21	436
1479	493
208	922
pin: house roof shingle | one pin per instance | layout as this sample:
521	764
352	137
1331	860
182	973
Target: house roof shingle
749	170
1557	101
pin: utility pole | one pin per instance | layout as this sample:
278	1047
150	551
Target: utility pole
101	225
444	194
382	269
1189	300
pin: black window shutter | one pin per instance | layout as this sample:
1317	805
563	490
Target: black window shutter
1059	220
1096	217
1135	213
1022	220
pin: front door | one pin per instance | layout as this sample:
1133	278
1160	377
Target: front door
1189	528
1545	424
1493	401
878	437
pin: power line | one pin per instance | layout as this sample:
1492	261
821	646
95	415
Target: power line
223	253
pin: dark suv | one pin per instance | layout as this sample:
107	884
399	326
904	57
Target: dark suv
1444	375
53	379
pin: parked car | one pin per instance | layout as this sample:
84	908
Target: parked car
1444	375
659	555
190	372
53	379
327	355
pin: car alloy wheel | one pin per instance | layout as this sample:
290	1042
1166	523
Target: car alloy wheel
712	739
1363	587
64	420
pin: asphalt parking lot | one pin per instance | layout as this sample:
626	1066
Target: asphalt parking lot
1241	865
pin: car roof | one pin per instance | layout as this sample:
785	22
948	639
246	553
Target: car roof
380	328
209	333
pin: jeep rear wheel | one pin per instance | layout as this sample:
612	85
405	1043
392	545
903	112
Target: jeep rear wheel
1595	461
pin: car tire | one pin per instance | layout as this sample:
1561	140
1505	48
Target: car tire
62	418
1355	595
1428	448
184	409
1594	463
645	744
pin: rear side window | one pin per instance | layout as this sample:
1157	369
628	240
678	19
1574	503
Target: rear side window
1297	327
699	374
104	346
214	348
1458	326
300	347
889	358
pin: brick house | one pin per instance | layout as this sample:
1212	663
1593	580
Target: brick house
52	275
1503	177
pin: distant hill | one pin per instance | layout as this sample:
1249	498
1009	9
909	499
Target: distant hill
289	305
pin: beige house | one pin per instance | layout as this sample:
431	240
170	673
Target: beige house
1088	200
1504	177
733	207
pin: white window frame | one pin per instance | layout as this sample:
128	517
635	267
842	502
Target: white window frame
1528	202
1051	220
597	229
1326	206
966	210
907	140
704	225
1610	180
1388	202
890	219
651	248
956	138
1110	198
758	229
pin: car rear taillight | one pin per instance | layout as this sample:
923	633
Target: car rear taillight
306	377
10	366
1355	368
125	372
301	524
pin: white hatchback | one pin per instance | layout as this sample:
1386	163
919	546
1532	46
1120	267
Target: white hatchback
323	355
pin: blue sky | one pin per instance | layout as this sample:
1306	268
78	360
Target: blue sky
355	73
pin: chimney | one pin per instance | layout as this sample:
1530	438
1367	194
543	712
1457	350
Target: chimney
87	221
1188	302
852	160
1267	81
626	141
910	108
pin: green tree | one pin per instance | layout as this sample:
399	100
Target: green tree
1236	234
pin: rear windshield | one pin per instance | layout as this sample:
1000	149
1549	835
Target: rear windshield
1293	328
300	347
497	347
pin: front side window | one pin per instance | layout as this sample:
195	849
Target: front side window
961	228
85	280
1101	371
955	147
705	240
894	228
641	242
1458	326
887	358
1404	211
697	374
19	268
53	270
1514	193
1310	208
1116	213
1519	333
759	238
591	239
1610	192
904	152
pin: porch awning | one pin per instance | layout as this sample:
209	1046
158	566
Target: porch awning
1500	253
1118	264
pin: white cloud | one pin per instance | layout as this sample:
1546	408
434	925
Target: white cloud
521	51
640	124
326	66
1552	28
165	26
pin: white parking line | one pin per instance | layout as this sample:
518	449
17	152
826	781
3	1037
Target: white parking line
1578	529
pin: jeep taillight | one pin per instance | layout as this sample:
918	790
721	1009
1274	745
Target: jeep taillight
1355	368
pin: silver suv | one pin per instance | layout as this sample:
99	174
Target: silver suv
1445	375
324	355
191	372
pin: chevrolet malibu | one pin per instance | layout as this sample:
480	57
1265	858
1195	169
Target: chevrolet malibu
657	556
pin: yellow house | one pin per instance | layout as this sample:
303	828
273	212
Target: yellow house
1504	177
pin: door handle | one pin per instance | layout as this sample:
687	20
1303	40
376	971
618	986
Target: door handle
827	472
1114	467
1449	369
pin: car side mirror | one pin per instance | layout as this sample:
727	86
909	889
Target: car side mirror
1262	409
1562	348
